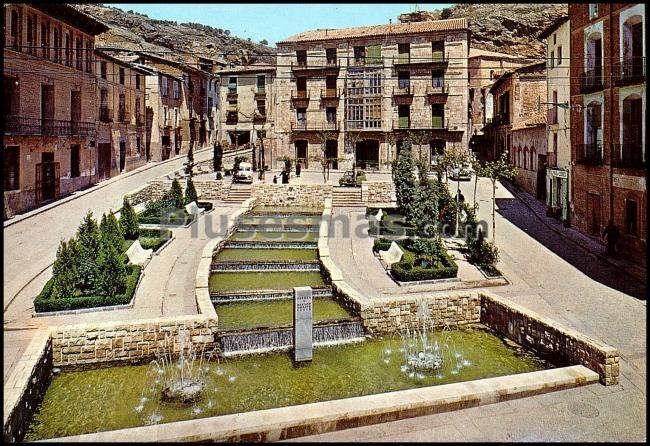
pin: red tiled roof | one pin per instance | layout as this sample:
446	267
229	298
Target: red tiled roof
379	30
533	121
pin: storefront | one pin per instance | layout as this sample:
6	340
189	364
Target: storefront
557	193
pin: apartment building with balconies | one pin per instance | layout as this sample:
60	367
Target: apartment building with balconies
50	105
121	125
354	95
248	110
608	130
558	122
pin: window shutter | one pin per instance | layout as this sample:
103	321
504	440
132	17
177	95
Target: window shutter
373	54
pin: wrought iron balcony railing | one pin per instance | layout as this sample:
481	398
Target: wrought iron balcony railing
630	71
591	80
330	93
590	154
20	125
403	90
628	156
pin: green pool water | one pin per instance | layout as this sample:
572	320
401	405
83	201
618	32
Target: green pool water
227	281
260	236
241	315
267	254
105	399
293	220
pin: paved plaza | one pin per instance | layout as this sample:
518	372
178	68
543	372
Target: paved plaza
547	274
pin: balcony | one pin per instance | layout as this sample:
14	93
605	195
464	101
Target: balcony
104	115
20	125
590	154
300	97
299	125
329	66
628	156
403	90
501	119
630	71
402	123
364	125
591	80
231	96
436	124
260	93
259	118
552	115
330	93
437	93
310	126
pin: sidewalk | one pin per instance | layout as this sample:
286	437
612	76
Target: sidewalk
80	193
584	241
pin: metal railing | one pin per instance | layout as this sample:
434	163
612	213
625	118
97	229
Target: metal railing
591	80
299	94
20	125
437	88
590	154
330	93
630	71
304	125
404	90
628	156
438	57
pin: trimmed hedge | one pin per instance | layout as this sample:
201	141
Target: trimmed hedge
44	302
381	244
406	270
179	217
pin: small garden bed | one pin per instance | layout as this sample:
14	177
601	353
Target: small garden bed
393	223
150	238
423	259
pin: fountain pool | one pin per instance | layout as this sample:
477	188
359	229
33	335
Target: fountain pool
263	280
270	236
118	397
266	254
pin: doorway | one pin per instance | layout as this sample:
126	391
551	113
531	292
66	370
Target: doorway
301	153
331	152
122	155
103	160
593	213
47	178
367	154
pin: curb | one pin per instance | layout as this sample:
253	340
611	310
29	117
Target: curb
575	242
81	193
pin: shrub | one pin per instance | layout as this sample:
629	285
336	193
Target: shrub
65	268
44	301
404	179
177	193
88	238
111	279
190	192
424	259
111	232
129	220
482	252
407	272
381	244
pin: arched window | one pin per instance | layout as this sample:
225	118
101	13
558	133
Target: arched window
631	151
525	164
632	50
532	158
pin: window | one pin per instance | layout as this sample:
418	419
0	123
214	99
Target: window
103	105
11	94
552	59
137	81
68	49
438	116
121	111
45	40
176	85
231	117
404	116
301	86
404	80
301	57
593	10
11	163
232	84
261	82
630	216
163	86
261	107
403	52
330	84
504	108
102	69
165	115
330	54
74	161
554	38
438	78
31	34
555	142
138	112
138	145
79	62
15	30
559	55
330	115
121	75
57	45
373	55
301	114
438	50
89	59
359	54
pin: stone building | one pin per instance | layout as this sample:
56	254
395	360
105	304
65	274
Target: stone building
608	130
50	104
517	96
121	124
176	106
528	153
213	110
558	122
354	95
483	68
248	110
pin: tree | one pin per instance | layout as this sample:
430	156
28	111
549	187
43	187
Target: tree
189	164
65	270
111	279
264	42
351	140
129	220
479	171
418	139
88	238
404	179
322	158
111	232
177	193
424	209
190	192
496	171
217	157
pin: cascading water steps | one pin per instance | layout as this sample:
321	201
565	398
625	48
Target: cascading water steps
252	277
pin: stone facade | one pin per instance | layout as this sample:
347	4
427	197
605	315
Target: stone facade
310	195
528	154
50	107
377	192
354	95
547	337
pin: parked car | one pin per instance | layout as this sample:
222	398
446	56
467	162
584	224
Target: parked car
244	174
349	178
461	173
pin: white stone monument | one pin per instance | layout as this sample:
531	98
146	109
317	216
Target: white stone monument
193	209
303	322
392	255
380	214
137	255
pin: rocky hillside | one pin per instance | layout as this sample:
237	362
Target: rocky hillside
135	31
508	28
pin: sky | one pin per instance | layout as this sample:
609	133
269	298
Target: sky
275	22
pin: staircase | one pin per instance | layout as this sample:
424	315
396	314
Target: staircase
346	196
238	193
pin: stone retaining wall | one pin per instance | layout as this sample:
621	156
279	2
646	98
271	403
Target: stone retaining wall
150	191
312	195
212	189
547	337
377	192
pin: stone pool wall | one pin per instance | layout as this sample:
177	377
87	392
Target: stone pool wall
309	195
26	386
547	337
377	192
